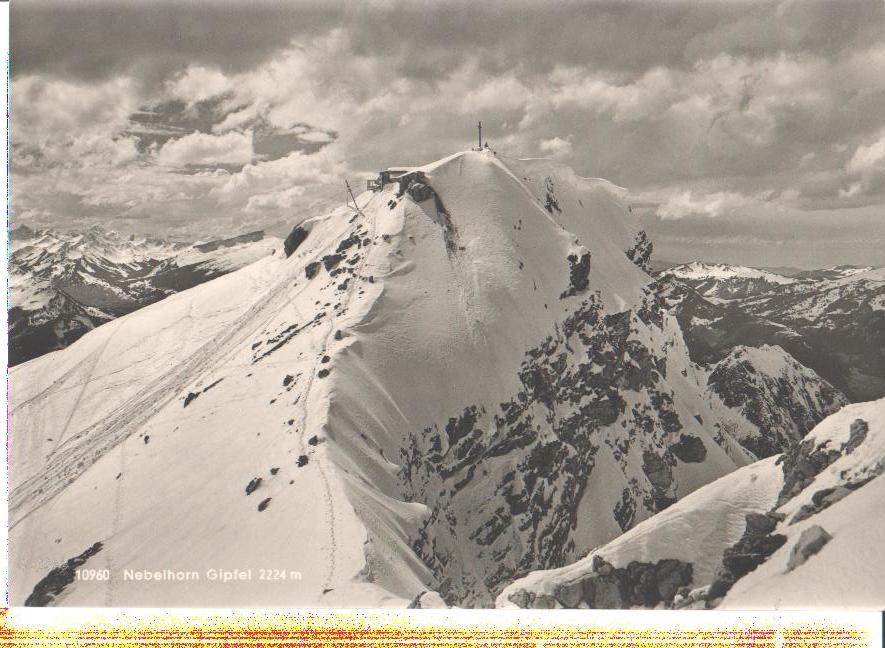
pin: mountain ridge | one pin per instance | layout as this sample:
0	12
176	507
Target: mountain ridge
466	376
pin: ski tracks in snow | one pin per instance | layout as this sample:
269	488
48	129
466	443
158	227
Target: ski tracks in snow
331	519
73	457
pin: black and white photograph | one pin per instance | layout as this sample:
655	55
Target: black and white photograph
408	304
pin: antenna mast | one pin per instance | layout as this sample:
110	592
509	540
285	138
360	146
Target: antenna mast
479	128
354	207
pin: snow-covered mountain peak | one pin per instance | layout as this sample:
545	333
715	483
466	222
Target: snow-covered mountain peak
463	379
780	397
699	270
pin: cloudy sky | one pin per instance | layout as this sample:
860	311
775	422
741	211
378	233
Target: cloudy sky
752	132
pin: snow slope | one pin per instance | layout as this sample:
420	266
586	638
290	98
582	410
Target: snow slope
383	382
832	480
847	572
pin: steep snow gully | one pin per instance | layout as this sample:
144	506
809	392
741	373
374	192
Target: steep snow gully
464	380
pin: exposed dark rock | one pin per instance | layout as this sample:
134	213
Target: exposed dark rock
671	575
570	594
760	524
147	439
415	184
274	471
641	252
639	584
550	202
666	410
54	583
625	510
330	261
311	269
801	464
522	598
857	436
809	543
657	470
689	449
211	385
543	602
652	309
420	192
264	504
579	274
296	237
302	461
349	242
253	484
286	335
826	497
570	384
750	551
288	380
314	440
783	406
415	603
191	396
322	373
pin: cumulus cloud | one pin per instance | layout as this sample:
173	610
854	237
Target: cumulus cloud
709	110
686	203
869	157
275	200
556	147
201	149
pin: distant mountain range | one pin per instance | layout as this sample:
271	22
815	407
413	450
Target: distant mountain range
62	285
830	320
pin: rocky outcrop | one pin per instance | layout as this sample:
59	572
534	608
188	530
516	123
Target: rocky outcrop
253	485
551	204
641	252
782	398
753	549
689	449
802	463
639	584
550	432
810	542
857	435
296	237
54	583
417	186
579	274
826	497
